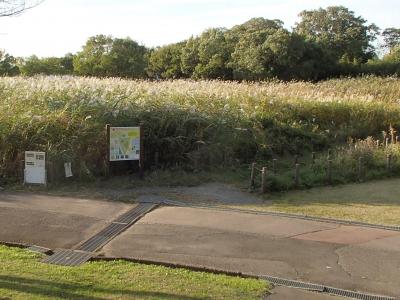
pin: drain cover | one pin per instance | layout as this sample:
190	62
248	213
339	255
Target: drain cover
324	289
65	257
294	283
134	214
85	251
103	237
116	227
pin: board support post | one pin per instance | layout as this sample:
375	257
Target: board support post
107	166
141	154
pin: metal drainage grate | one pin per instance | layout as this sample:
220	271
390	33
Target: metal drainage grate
84	252
294	283
355	295
65	257
134	214
103	237
116	227
324	289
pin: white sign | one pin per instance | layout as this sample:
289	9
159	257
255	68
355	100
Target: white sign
35	167
68	169
124	143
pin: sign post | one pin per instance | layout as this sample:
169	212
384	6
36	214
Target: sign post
124	144
141	159
108	151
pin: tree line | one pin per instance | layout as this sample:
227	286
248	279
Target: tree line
324	43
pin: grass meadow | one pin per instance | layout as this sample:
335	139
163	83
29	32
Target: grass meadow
193	125
23	276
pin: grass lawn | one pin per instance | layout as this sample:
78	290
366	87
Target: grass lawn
23	276
373	202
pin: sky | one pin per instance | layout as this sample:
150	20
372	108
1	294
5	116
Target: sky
57	27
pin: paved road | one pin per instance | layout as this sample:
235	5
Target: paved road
355	258
53	222
349	257
284	293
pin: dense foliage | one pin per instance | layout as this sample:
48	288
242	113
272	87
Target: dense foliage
325	43
104	56
344	36
47	66
188	122
8	65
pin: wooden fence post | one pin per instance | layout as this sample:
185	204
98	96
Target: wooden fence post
264	180
156	158
329	171
274	170
296	159
392	133
252	175
389	162
296	175
360	169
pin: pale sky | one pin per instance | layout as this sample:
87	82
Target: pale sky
57	27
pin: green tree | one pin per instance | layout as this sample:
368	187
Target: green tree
88	61
260	47
165	62
394	55
391	37
105	56
344	36
190	56
46	66
126	58
8	64
213	55
67	62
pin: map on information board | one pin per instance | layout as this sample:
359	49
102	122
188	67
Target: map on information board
124	143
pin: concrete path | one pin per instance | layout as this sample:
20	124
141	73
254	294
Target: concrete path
285	293
348	257
53	222
355	258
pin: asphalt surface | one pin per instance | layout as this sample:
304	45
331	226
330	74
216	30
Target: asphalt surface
53	222
284	293
348	257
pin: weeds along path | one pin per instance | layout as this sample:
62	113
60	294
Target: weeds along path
194	124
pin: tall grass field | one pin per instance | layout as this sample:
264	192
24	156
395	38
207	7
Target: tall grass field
189	123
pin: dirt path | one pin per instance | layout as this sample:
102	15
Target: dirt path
211	193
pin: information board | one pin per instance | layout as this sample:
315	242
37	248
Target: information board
124	143
35	167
